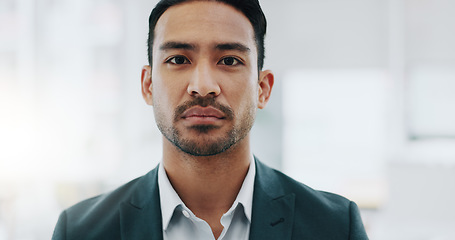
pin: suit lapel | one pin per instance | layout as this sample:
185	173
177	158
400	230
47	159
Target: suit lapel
273	211
140	217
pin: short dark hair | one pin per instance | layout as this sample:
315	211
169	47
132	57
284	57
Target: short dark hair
250	8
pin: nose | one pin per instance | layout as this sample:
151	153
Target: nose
203	81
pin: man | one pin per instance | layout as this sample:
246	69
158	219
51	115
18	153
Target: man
205	82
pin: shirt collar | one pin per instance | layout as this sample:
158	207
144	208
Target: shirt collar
169	199
245	195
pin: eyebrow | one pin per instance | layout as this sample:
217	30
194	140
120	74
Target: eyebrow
177	45
233	46
188	46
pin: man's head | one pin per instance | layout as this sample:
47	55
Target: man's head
204	82
250	8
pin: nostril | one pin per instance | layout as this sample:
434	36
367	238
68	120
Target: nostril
202	94
203	87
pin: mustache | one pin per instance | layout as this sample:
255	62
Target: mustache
203	102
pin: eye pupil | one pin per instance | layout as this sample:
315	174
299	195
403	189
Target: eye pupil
229	61
179	60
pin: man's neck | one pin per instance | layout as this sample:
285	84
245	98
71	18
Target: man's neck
207	185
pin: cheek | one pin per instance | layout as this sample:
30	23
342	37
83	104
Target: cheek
244	96
249	89
167	90
161	103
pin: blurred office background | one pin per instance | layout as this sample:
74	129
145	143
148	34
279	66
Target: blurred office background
363	105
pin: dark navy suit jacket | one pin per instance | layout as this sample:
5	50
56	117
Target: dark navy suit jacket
283	209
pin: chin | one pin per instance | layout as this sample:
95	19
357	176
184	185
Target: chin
204	146
203	129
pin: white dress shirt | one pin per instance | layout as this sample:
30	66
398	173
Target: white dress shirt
180	223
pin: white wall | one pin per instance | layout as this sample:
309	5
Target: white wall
73	123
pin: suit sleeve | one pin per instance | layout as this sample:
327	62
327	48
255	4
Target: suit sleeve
356	228
60	228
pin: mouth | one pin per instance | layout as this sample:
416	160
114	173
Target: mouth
203	115
203	112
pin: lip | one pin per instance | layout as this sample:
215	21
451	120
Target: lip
203	113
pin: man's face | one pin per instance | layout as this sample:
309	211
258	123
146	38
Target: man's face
204	84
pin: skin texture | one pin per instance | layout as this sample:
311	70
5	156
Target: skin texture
205	88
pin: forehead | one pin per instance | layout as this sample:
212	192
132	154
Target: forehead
204	22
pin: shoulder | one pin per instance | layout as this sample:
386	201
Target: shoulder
100	215
323	200
274	180
104	202
316	213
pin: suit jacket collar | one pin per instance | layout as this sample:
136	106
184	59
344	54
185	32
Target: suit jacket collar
273	210
140	217
272	214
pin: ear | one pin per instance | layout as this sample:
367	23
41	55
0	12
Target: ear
266	80
146	84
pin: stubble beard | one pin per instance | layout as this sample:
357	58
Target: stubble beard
203	143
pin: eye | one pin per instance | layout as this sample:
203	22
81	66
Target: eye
230	61
178	60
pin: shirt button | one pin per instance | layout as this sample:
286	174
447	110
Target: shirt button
186	213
